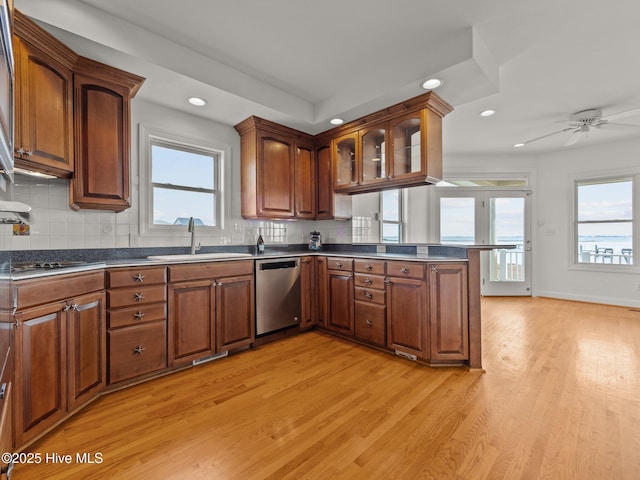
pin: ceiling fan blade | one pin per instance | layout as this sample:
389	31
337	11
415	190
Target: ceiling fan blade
575	137
624	114
548	135
618	126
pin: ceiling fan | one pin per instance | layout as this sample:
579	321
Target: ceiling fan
584	121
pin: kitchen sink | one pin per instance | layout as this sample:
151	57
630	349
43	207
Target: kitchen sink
198	256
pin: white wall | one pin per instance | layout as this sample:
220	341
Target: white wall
56	226
553	176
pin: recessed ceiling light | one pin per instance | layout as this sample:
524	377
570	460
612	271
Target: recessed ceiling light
487	113
432	83
197	101
519	145
336	121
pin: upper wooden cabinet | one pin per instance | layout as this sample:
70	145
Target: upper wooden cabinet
400	146
284	174
102	113
43	100
72	118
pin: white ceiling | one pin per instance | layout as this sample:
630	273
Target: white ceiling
301	62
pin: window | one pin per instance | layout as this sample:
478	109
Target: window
391	216
604	221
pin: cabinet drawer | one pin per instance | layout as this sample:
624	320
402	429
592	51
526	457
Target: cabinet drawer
136	296
406	269
374	267
337	263
124	317
210	271
370	323
39	291
130	277
135	351
370	295
369	281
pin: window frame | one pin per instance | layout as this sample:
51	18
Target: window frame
400	222
601	178
151	136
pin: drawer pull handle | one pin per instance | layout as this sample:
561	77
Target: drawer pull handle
138	296
339	265
138	350
368	322
369	268
434	269
368	281
139	278
368	295
404	270
138	315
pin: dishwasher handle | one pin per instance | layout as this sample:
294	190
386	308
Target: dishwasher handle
278	265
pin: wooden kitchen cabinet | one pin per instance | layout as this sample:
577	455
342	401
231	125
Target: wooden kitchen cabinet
305	170
370	301
340	295
211	309
330	205
374	168
102	112
448	312
407	320
307	292
137	322
43	100
322	295
59	349
345	152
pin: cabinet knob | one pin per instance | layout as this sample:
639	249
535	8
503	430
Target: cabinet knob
138	350
20	151
368	295
138	315
368	281
29	153
368	322
138	296
339	265
404	270
139	277
387	281
434	269
369	268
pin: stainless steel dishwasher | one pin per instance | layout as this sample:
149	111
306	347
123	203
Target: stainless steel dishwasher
278	303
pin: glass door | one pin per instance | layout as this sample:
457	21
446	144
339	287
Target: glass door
491	217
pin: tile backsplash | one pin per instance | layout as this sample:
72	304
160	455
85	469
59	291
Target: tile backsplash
56	226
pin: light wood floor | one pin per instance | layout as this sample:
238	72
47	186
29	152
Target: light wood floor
560	399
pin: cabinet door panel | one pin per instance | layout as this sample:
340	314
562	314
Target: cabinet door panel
324	182
102	145
308	291
44	112
449	312
341	302
305	181
322	296
406	316
275	177
235	322
135	351
40	370
191	328
370	323
86	345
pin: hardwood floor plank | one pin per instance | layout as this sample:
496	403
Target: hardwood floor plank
560	398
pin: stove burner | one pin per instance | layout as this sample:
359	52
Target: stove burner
31	266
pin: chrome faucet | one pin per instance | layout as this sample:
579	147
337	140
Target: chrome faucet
192	229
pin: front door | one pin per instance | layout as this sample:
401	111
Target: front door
495	217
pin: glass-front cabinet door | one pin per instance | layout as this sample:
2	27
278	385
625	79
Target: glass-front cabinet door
345	152
406	148
373	148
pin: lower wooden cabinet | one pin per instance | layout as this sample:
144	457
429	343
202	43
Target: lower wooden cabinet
211	309
370	323
340	299
407	316
59	350
449	312
137	322
307	291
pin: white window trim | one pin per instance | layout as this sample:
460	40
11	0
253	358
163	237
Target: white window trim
401	217
151	134
595	176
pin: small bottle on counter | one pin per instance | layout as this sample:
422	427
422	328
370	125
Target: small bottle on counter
260	243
